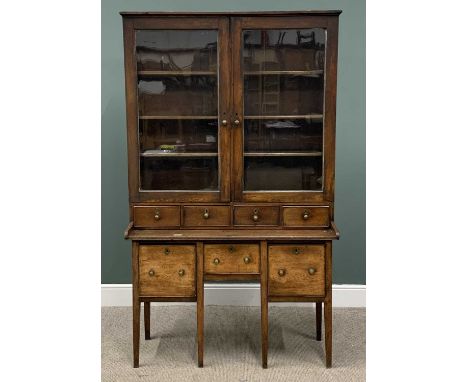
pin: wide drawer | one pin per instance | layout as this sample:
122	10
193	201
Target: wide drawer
156	216
231	258
296	270
167	270
207	216
306	216
256	215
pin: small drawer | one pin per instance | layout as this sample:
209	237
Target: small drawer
156	216
207	216
231	258
167	270
296	270
256	215
306	216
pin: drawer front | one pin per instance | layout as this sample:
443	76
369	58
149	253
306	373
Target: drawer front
207	216
256	216
232	258
305	216
296	270
167	270
156	216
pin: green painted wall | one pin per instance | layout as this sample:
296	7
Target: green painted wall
349	251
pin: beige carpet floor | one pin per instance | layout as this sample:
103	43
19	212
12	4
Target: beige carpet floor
233	346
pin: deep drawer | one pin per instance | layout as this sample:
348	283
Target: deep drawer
296	270
156	216
207	216
306	216
256	215
231	258
167	270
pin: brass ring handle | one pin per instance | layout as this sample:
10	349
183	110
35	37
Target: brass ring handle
166	251
246	260
281	272
224	122
296	251
216	261
157	215
311	271
255	216
236	122
181	272
206	214
151	272
305	215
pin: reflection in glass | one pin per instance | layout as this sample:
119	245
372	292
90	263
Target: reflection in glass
284	80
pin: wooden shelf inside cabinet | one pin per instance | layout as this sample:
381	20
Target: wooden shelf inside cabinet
172	73
284	154
311	73
178	117
152	154
303	116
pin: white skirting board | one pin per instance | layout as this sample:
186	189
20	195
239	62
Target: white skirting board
344	295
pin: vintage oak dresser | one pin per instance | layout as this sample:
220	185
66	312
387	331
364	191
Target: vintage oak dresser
231	158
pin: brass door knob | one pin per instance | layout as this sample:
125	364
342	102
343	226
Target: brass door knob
181	272
305	215
216	261
166	251
157	215
246	259
224	122
206	214
236	122
151	272
296	251
281	272
311	271
255	216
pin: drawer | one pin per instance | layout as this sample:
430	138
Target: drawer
156	216
232	258
167	270
207	216
296	270
256	215
306	216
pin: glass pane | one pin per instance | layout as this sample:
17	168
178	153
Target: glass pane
178	109
283	73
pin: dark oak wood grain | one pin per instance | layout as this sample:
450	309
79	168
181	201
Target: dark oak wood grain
147	310
318	320
264	301
156	216
200	304
136	305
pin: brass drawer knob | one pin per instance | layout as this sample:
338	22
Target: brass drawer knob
236	122
151	272
231	248
181	272
206	214
216	261
281	272
311	271
255	216
224	122
246	259
157	215
166	251
305	215
296	251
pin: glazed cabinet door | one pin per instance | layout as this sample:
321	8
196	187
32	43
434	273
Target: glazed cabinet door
284	76
177	90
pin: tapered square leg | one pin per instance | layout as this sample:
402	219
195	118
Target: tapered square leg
136	306
264	302
147	313
200	303
318	320
328	333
